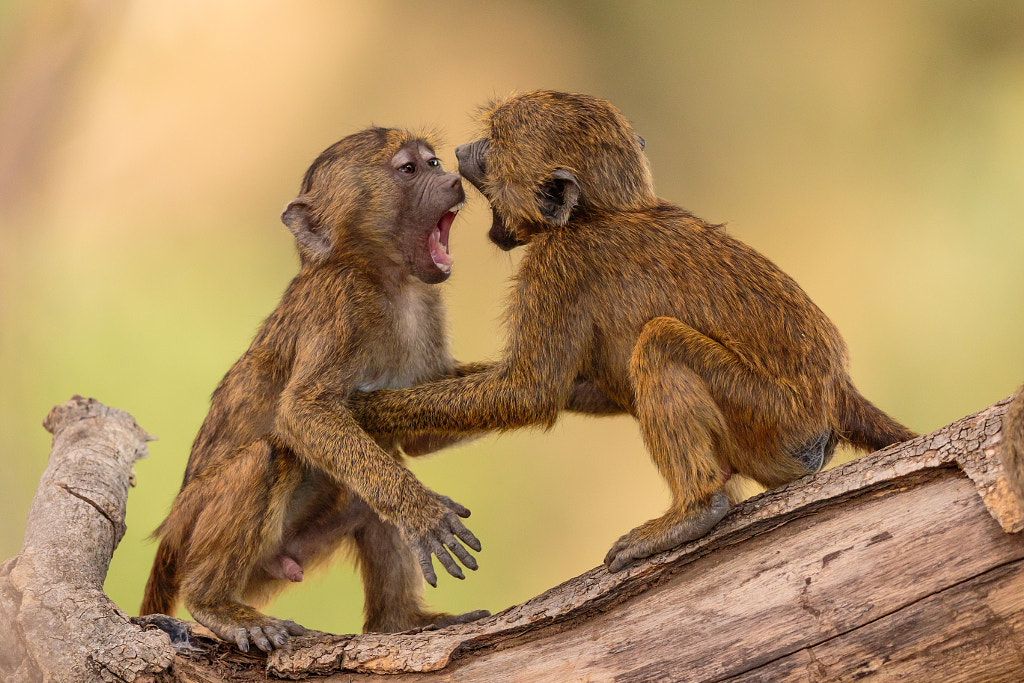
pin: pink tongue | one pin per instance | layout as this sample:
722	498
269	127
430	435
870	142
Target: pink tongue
437	252
439	243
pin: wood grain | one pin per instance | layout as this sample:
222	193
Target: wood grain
55	620
748	608
972	445
897	566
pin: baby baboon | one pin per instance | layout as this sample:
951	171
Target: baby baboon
637	306
280	473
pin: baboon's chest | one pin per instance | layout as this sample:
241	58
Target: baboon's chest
415	349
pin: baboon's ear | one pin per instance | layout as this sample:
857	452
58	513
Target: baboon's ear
300	221
558	196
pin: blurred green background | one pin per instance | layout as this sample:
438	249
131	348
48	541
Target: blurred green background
874	150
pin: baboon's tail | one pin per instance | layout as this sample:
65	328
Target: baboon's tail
867	427
162	587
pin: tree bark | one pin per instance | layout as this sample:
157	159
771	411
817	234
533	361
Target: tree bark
55	621
902	565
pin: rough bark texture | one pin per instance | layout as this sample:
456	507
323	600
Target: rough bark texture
895	566
55	621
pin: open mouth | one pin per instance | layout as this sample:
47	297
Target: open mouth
438	241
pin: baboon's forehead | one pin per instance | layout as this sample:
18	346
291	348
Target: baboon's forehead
396	139
366	149
377	144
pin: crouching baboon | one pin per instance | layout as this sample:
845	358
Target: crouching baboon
280	473
640	307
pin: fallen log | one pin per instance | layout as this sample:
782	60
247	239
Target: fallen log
905	564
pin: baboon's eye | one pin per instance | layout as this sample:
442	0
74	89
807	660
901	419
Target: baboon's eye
435	162
407	168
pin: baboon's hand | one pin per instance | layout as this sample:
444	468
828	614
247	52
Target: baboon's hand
437	530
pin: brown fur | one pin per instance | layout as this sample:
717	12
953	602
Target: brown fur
722	358
280	473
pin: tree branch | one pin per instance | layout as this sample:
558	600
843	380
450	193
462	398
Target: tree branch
54	617
891	562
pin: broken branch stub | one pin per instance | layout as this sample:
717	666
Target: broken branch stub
55	621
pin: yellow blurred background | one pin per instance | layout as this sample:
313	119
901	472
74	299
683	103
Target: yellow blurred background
874	150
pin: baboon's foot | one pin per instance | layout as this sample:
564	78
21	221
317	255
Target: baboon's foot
666	532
